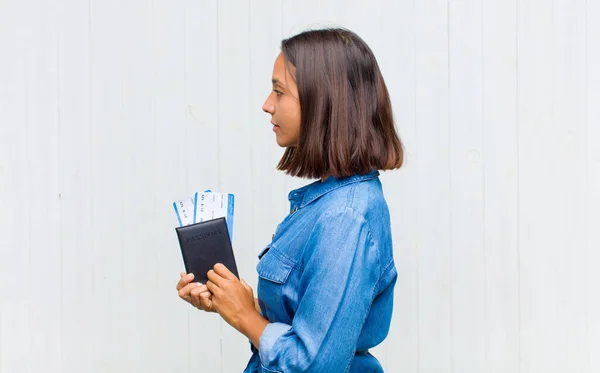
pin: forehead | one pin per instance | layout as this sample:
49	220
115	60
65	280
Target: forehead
282	71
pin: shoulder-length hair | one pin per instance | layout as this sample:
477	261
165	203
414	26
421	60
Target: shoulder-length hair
346	121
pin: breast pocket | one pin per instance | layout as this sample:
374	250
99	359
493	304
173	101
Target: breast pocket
273	275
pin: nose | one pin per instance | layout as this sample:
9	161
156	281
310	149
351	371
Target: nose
268	107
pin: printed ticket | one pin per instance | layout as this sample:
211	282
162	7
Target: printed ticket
206	206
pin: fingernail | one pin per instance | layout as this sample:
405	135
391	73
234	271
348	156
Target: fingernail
199	284
190	275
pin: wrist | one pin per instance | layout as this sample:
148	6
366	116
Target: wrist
252	326
247	320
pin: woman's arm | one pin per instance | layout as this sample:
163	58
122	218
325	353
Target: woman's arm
341	278
234	300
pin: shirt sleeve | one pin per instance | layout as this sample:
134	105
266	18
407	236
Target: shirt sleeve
340	279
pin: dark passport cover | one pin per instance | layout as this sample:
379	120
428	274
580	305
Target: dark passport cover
205	244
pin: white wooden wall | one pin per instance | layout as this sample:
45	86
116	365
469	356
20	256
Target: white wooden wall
111	109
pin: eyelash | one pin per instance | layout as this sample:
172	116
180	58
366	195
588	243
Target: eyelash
279	93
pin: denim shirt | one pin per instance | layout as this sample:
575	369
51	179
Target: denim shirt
326	281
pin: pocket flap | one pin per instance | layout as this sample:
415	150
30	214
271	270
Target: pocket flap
271	268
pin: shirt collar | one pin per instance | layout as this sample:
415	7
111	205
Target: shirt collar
311	192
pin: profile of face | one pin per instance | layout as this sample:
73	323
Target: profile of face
283	104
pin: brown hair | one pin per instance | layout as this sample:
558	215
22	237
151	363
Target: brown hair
346	122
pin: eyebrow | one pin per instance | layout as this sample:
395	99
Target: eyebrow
277	81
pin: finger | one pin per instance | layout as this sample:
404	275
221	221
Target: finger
199	290
215	278
184	292
196	302
184	280
222	271
182	283
212	287
206	294
205	302
187	288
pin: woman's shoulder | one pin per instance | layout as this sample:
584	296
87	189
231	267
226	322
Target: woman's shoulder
363	206
364	199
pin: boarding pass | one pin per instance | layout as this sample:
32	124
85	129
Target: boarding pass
206	206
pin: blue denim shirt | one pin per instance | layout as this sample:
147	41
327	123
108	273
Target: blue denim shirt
326	281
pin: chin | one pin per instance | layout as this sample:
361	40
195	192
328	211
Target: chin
286	141
283	143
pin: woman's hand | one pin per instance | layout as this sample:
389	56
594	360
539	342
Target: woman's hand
195	293
232	299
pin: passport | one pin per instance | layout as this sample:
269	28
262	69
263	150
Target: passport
205	244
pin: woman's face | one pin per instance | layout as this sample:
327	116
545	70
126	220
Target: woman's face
283	105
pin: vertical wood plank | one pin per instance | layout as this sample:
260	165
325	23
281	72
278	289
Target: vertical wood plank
107	149
43	197
73	33
592	177
433	192
400	351
171	181
500	152
268	184
467	187
142	271
202	154
236	153
15	306
569	185
538	154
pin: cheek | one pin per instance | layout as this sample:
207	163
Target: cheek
290	111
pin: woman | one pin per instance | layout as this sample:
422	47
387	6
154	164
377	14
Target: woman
326	281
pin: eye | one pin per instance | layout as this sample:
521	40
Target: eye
279	93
